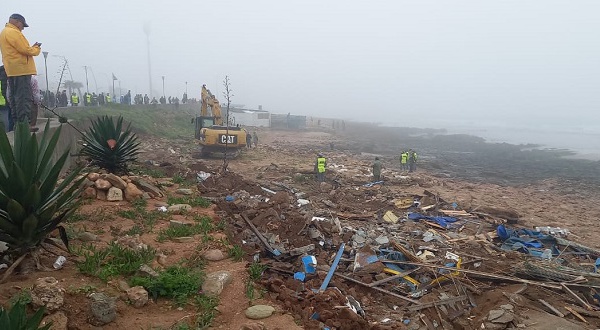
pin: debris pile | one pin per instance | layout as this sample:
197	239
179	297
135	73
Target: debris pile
342	255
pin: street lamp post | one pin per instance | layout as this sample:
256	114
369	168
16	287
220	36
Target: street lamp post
87	86
47	95
163	78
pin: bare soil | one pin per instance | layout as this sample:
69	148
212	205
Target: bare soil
541	187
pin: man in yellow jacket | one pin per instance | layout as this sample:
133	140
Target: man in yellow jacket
17	56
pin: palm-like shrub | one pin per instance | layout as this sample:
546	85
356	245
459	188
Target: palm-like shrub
31	203
16	318
108	146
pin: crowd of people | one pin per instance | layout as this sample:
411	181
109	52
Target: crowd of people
21	97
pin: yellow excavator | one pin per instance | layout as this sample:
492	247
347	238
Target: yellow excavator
213	135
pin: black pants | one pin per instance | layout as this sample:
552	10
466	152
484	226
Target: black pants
21	98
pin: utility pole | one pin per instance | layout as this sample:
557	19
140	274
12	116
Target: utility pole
87	86
47	96
163	78
186	87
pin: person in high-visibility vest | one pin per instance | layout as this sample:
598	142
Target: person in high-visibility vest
404	160
3	110
108	98
320	166
412	160
74	99
88	99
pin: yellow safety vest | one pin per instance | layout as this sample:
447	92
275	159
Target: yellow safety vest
2	100
404	158
89	98
321	164
74	99
108	98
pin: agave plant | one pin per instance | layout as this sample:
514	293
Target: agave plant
108	146
31	203
17	319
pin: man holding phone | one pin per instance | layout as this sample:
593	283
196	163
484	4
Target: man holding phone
17	56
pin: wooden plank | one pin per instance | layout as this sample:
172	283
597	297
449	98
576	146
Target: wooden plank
405	252
391	278
474	272
581	301
550	307
438	303
576	314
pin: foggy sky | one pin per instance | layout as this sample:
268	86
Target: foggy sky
376	60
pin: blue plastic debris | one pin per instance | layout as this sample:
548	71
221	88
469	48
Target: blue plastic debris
309	264
527	241
315	316
229	198
407	321
371	184
333	267
597	265
300	276
442	221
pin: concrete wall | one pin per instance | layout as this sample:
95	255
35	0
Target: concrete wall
67	141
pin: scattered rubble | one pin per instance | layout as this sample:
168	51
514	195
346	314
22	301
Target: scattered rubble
349	255
48	293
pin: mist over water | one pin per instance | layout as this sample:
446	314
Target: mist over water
580	135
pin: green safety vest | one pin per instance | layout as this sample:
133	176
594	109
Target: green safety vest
414	156
2	100
404	158
108	99
321	164
74	99
89	98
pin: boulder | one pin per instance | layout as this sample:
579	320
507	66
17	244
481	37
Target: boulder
214	255
138	296
87	237
145	270
258	312
215	282
59	321
114	180
253	326
132	192
101	194
102	308
102	184
47	292
89	193
179	208
184	191
93	176
114	194
175	223
152	190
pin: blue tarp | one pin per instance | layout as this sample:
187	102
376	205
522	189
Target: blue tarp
442	221
526	241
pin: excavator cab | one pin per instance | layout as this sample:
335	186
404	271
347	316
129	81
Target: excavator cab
203	122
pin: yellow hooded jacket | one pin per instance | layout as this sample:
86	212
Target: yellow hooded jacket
17	55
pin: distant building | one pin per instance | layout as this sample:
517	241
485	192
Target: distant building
288	121
250	117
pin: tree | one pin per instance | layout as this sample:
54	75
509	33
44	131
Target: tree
71	85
